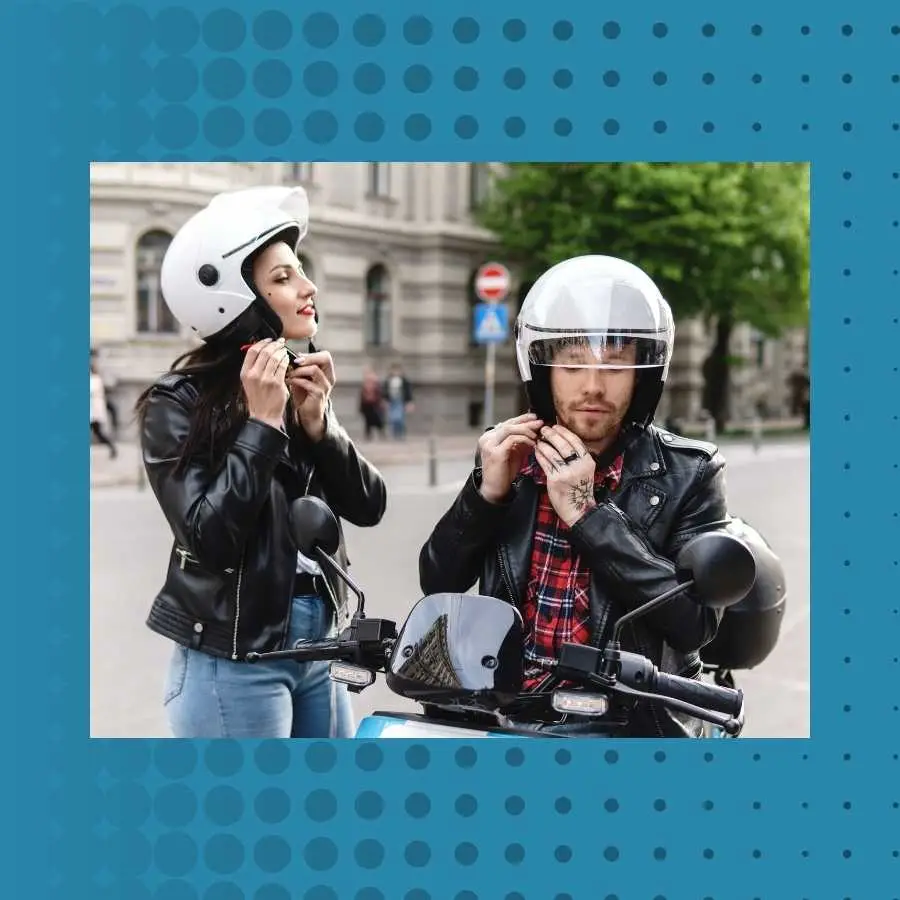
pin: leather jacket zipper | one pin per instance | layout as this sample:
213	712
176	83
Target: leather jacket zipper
185	557
237	610
505	580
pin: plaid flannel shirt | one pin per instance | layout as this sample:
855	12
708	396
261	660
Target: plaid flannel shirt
556	607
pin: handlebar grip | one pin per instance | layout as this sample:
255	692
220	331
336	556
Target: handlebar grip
708	696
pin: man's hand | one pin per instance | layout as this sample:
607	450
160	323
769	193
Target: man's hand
569	468
503	450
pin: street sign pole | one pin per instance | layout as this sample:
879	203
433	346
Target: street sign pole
491	286
490	360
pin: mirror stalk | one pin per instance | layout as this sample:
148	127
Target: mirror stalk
324	557
649	607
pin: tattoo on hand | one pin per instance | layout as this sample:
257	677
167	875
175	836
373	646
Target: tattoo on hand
581	494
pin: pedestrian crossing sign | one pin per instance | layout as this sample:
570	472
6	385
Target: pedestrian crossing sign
491	323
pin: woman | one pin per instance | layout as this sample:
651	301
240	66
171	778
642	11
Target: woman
230	437
371	402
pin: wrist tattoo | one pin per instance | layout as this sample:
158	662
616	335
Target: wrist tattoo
581	494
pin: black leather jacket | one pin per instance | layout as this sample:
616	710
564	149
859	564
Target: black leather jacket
671	489
229	584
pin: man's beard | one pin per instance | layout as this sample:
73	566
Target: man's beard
594	429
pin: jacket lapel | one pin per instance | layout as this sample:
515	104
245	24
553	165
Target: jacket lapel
515	552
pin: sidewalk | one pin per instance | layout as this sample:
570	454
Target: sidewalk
126	469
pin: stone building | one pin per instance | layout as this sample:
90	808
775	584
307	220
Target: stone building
393	249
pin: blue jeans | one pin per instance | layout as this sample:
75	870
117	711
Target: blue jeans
397	418
210	697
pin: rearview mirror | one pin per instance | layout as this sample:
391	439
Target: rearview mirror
313	525
721	566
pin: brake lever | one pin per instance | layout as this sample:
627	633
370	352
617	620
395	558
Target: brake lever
732	726
309	651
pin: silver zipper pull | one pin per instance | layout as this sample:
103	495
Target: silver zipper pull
184	555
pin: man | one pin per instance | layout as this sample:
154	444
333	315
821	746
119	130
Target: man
576	509
399	399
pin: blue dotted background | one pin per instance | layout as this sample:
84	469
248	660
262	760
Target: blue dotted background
173	820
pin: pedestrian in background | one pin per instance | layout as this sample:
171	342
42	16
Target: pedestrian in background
230	437
371	404
100	411
399	399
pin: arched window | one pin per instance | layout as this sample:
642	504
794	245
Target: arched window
378	307
153	315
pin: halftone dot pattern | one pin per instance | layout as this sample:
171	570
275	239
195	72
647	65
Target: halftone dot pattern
223	79
418	805
369	78
272	79
272	805
369	30
320	78
223	805
319	820
320	805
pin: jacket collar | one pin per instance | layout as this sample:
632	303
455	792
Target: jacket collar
644	458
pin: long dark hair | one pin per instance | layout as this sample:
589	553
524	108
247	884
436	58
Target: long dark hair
221	406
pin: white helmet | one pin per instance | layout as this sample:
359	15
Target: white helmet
205	278
603	303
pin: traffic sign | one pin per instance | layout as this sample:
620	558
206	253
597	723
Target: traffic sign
492	282
491	323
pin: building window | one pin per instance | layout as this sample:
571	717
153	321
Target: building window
378	307
380	179
153	316
479	184
759	347
302	173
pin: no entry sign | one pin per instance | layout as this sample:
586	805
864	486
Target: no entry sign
492	282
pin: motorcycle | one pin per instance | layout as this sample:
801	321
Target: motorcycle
460	655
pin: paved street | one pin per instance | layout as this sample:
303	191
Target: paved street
128	662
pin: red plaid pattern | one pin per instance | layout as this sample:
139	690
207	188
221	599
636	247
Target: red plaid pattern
556	607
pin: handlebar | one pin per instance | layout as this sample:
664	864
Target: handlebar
368	643
699	693
634	676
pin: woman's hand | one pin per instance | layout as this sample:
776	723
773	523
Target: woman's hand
310	385
262	377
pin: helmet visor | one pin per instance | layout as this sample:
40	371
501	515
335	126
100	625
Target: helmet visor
597	350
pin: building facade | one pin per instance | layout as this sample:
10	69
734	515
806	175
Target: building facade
393	249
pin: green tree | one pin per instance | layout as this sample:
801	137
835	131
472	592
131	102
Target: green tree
728	242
